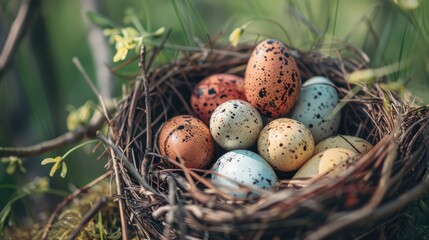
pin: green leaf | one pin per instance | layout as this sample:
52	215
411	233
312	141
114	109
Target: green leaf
100	20
100	225
63	170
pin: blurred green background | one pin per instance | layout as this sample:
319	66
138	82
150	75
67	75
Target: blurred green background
41	81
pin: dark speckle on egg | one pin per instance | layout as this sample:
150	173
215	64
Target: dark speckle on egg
188	139
213	91
317	100
269	76
235	124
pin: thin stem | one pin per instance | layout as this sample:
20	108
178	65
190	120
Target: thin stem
79	146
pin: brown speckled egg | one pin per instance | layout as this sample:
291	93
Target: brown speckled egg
187	138
213	91
272	80
286	144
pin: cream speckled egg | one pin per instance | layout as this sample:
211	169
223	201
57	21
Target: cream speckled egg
331	161
187	138
235	124
213	91
334	161
317	100
352	143
272	80
286	144
244	167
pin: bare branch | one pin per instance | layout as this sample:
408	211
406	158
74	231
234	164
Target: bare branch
65	139
14	34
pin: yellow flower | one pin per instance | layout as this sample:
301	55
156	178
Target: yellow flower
111	33
72	121
57	164
235	35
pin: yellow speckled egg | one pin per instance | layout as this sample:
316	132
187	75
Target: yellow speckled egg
332	160
286	144
272	80
213	91
352	143
187	138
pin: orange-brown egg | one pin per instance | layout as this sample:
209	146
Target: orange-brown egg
213	91
272	79
187	138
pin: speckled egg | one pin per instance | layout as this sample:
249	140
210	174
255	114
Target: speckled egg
187	138
235	124
332	161
286	144
213	91
246	168
272	80
317	100
352	143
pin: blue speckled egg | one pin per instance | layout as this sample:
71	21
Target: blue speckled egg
317	100
244	167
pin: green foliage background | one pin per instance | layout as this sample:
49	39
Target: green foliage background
42	81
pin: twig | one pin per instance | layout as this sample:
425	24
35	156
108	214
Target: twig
148	100
362	217
94	89
128	165
67	199
14	34
121	199
92	212
148	109
67	138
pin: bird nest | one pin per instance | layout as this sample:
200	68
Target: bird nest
161	198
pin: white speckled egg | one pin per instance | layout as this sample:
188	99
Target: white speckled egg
317	100
243	167
332	161
353	143
235	124
286	144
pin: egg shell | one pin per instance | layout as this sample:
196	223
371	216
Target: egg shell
286	144
331	161
317	100
352	143
244	167
334	161
187	138
213	91
235	124
310	168
272	80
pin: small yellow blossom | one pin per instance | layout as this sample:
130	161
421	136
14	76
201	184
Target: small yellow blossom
235	35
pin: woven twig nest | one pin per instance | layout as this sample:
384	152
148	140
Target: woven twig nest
182	203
